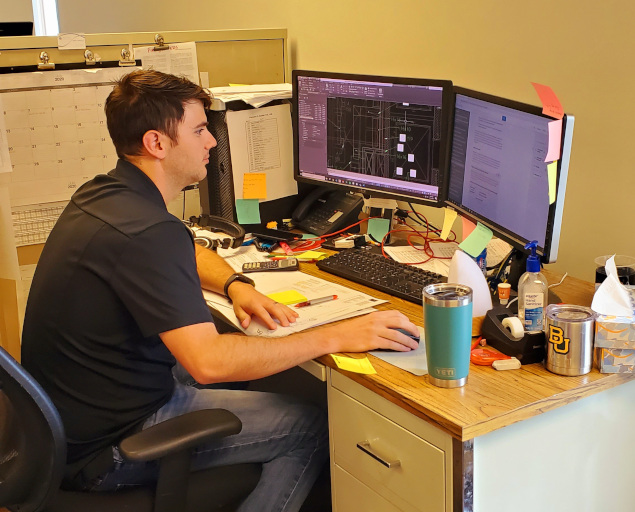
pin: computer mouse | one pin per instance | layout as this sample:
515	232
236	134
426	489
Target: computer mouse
408	333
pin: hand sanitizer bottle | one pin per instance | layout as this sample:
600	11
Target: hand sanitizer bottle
532	293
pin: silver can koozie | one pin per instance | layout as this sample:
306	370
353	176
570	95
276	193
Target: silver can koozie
569	333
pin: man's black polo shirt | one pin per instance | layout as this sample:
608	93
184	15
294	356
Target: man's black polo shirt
117	270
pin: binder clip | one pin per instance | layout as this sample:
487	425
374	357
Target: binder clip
44	62
126	57
158	39
90	58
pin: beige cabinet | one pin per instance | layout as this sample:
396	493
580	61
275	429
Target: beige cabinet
384	459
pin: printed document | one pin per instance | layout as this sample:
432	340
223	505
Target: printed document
349	302
261	142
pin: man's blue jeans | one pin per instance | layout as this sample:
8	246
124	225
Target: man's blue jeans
288	436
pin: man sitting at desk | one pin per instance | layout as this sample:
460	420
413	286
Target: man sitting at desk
117	299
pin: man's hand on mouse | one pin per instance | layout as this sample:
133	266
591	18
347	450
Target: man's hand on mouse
373	331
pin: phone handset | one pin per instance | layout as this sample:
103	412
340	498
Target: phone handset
321	215
305	206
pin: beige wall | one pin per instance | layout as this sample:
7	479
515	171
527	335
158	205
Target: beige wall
582	49
16	10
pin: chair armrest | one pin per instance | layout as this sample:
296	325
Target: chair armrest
179	433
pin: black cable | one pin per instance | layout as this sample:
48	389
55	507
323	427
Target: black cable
430	226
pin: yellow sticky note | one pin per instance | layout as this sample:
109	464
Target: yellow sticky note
448	221
288	297
552	174
354	365
255	185
311	255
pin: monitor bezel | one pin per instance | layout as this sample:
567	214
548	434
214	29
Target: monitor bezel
549	252
447	107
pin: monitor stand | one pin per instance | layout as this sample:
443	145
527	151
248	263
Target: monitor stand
384	213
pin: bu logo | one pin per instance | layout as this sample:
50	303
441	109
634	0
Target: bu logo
560	343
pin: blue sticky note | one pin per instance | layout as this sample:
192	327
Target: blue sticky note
377	228
477	241
248	211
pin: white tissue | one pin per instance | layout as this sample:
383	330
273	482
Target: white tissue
612	298
464	270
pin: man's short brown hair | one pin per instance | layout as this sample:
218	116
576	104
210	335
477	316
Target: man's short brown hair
148	100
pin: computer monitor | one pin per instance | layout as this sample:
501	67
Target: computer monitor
382	136
498	175
16	28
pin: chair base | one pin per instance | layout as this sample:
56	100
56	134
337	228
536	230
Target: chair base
220	489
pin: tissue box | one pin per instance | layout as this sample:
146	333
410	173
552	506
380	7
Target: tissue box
615	341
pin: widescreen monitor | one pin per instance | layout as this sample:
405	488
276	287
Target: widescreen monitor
498	175
16	28
382	136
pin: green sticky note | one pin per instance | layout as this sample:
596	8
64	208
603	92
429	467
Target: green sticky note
377	228
552	173
477	241
248	211
288	297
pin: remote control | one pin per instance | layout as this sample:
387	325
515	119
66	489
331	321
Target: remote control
264	266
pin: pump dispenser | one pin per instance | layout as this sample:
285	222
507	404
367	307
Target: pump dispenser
532	293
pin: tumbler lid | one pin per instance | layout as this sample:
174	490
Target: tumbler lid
447	295
569	312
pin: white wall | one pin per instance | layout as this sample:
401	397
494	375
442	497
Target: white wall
16	10
581	48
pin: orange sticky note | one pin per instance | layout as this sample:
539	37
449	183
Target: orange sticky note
255	185
551	105
555	136
468	227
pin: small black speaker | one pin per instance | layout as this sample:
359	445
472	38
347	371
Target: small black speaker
217	189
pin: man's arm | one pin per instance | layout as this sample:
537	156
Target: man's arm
211	357
214	273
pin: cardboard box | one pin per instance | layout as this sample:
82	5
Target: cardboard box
615	341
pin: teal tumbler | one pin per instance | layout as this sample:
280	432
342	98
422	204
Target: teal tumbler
447	322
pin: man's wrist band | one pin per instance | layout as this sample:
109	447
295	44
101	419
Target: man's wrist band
237	277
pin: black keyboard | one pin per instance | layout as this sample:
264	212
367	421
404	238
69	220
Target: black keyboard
372	269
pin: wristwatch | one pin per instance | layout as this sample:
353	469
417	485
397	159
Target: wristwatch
237	277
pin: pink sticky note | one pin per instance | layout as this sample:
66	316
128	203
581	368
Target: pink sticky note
550	103
555	136
468	227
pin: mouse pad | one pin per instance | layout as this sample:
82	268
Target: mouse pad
414	361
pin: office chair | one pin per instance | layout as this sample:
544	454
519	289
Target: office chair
33	455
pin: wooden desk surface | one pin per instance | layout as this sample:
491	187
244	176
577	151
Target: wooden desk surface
491	399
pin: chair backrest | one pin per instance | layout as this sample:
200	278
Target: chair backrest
32	440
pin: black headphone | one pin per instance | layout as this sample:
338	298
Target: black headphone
218	225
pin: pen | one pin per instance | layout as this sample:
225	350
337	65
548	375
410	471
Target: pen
315	301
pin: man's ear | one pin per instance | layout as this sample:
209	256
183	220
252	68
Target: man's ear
155	143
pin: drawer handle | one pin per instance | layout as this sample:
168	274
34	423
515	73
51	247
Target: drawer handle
367	448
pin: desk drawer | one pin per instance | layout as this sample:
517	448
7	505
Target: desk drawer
350	495
364	443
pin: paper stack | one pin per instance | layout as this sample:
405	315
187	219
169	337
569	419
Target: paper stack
254	95
349	303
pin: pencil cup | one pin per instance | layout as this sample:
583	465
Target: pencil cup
447	322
